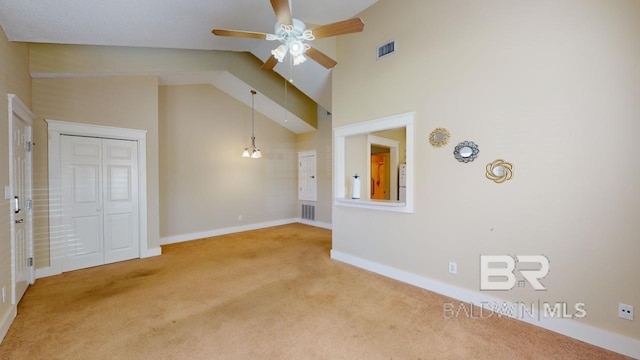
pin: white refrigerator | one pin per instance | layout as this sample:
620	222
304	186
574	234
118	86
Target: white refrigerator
402	183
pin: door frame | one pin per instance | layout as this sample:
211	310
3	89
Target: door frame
301	154
57	128
19	109
393	146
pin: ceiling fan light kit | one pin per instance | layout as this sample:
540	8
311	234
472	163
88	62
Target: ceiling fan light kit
293	35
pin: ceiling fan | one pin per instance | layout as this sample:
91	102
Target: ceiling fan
294	36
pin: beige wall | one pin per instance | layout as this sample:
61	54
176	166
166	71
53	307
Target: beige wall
551	86
82	60
128	102
355	149
205	182
14	78
320	140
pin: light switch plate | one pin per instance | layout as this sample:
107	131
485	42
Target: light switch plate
7	192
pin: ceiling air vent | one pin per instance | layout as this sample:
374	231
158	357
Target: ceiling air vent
386	49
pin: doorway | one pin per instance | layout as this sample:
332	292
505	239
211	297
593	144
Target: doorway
19	192
97	197
380	172
382	168
307	177
99	201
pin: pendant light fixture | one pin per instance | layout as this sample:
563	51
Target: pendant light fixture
252	151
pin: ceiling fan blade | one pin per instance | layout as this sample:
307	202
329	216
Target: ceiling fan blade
283	12
235	33
320	58
270	63
342	27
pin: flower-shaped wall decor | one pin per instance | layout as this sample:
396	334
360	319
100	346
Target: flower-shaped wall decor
466	151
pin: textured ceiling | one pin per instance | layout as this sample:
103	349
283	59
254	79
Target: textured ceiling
158	23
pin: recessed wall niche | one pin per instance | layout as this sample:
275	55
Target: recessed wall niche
351	151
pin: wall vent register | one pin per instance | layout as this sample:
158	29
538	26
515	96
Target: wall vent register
386	49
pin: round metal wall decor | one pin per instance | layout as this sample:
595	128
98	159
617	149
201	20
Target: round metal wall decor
466	151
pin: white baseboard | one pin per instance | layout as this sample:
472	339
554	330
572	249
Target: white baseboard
589	334
230	230
156	251
319	224
57	270
47	271
7	320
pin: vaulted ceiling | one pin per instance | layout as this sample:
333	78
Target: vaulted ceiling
178	25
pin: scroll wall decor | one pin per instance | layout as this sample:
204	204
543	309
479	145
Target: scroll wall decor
499	171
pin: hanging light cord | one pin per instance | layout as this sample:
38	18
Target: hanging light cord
285	101
253	95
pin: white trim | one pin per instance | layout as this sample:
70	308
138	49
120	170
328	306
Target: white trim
224	231
46	272
82	129
156	251
369	203
319	224
7	320
56	128
589	334
405	120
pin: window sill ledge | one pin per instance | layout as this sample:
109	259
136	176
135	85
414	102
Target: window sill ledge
384	205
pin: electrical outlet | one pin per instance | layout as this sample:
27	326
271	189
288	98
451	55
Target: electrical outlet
453	268
4	295
240	217
625	311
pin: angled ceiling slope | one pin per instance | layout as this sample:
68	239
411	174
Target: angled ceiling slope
173	25
233	72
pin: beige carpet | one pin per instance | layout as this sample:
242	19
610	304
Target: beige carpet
265	294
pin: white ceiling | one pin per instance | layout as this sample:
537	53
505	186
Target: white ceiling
178	24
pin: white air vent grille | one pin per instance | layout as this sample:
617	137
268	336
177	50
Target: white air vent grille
308	212
386	49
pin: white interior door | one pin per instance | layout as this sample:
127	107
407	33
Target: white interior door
120	179
21	251
81	167
307	177
100	201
